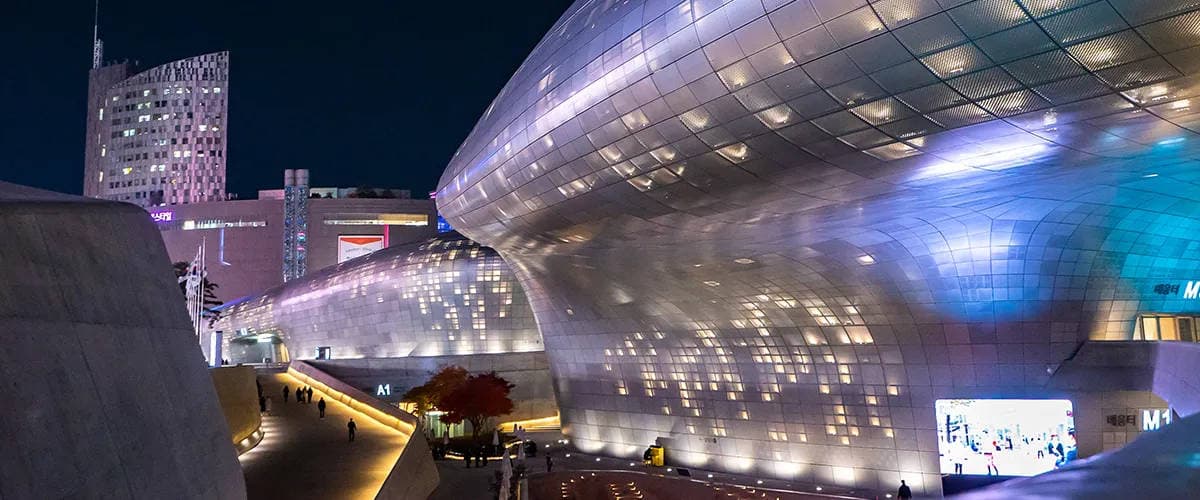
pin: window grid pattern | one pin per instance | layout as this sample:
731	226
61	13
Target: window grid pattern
444	296
161	132
774	232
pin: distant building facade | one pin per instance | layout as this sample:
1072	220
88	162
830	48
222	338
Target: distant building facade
244	239
157	137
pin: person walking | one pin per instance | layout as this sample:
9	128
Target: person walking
991	464
309	394
904	492
549	463
321	407
351	426
262	403
285	393
299	395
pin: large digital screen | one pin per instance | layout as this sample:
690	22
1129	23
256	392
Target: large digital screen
1004	437
350	247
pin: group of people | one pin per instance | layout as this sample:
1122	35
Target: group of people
478	454
304	395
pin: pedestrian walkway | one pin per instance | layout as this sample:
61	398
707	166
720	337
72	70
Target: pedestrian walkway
303	456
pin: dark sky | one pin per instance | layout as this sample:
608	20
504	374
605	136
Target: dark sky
360	92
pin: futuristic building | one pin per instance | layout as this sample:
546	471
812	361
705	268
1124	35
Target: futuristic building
97	351
158	137
444	296
772	234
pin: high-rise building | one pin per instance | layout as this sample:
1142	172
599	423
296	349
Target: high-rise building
157	136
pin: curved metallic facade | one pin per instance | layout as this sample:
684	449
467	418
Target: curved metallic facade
444	296
772	233
158	137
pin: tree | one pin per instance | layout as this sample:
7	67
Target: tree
211	302
363	192
477	400
429	395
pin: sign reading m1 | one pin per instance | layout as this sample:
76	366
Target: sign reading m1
1190	291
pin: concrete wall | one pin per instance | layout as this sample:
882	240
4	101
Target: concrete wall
238	393
414	475
106	390
533	396
1176	377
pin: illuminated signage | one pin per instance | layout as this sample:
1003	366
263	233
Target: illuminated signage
1155	419
350	247
383	390
1151	420
418	220
166	216
1190	291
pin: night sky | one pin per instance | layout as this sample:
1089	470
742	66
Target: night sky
378	92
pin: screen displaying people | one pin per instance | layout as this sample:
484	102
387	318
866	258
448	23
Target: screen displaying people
1004	437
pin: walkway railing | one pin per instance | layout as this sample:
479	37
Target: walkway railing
414	476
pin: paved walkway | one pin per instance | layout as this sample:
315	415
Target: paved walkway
302	456
460	483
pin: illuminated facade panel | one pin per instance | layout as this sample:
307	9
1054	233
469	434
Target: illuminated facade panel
772	234
439	297
158	137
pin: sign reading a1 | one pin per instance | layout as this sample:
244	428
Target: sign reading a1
383	390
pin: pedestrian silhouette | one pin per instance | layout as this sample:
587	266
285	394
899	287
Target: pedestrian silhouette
904	491
321	407
299	395
351	426
549	463
309	394
285	393
262	404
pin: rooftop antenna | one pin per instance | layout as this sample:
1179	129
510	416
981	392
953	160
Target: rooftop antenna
97	44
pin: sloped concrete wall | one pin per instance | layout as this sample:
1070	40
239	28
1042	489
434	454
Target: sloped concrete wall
414	476
533	396
1176	377
238	394
105	389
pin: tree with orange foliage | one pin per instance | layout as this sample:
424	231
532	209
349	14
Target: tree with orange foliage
479	399
429	395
